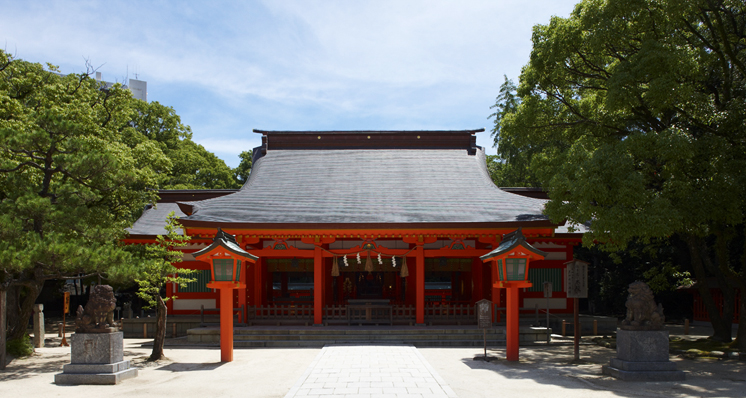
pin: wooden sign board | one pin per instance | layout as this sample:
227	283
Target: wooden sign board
66	309
484	314
576	279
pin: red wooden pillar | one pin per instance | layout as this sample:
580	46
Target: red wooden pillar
258	283
511	323
495	297
420	285
477	266
243	293
318	286
328	282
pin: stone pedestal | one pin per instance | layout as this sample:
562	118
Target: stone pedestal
642	356
97	358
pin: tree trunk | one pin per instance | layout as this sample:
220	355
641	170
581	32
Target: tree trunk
741	334
160	330
3	317
20	307
722	328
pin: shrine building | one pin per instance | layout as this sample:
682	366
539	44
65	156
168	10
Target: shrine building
337	218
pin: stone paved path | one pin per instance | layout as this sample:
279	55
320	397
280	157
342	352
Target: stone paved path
370	371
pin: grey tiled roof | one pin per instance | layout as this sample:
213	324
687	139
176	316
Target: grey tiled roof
153	220
369	186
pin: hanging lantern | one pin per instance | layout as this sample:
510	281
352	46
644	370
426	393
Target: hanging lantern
335	267
404	269
368	264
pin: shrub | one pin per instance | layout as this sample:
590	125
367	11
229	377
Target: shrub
20	347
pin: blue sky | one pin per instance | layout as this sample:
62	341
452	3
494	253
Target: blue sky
229	67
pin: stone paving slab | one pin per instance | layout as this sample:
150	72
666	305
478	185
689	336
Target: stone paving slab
370	371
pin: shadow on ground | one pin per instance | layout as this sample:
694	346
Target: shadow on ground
191	367
22	368
704	378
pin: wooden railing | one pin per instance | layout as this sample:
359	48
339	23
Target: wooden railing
406	313
335	313
240	312
375	312
379	314
700	311
281	312
462	313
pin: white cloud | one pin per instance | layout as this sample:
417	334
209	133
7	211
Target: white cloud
230	66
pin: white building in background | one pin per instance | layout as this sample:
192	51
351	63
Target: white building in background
139	88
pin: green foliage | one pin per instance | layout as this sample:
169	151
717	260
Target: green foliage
241	173
192	166
69	184
657	263
158	268
20	347
634	113
71	179
511	166
645	113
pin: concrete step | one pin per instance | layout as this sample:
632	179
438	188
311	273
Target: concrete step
318	337
371	337
321	343
325	331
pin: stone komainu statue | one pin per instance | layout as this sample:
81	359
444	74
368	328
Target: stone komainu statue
98	313
642	313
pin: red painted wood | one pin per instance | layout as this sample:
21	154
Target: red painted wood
258	296
511	326
226	325
420	282
477	275
318	286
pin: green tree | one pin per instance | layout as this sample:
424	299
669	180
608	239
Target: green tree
241	173
643	105
157	271
511	166
69	185
193	167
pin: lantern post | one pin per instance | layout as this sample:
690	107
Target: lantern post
225	256
510	262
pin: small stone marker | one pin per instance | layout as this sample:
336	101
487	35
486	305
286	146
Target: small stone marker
38	325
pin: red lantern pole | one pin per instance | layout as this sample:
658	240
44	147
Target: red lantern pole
226	324
227	250
511	323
